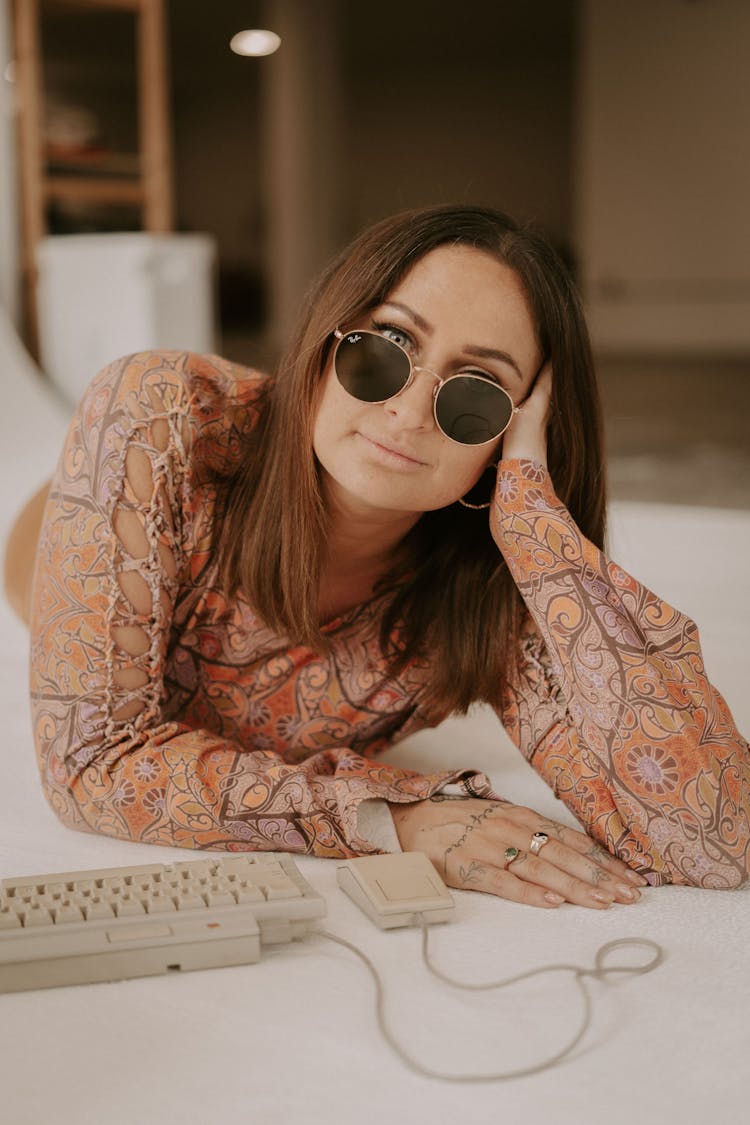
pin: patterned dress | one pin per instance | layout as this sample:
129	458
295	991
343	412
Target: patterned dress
166	713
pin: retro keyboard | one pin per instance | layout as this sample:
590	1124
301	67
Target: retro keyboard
77	927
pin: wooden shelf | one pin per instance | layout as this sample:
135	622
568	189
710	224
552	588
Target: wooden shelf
88	189
142	179
93	163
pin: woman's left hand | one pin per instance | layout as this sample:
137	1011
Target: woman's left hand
484	845
526	436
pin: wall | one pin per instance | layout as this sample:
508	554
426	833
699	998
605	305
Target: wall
465	102
368	111
663	221
215	99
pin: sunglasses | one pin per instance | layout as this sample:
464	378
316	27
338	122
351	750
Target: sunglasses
468	409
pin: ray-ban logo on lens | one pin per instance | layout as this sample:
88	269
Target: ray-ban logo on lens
353	339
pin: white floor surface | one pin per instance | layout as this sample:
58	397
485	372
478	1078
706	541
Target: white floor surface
294	1037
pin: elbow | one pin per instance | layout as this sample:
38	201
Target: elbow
61	799
60	786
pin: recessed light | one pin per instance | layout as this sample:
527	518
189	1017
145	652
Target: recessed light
255	42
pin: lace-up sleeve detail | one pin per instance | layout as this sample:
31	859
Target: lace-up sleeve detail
215	756
613	707
146	559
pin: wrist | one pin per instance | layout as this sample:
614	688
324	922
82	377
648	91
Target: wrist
399	814
525	451
410	819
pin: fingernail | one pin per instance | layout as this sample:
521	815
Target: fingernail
636	878
627	892
556	900
601	897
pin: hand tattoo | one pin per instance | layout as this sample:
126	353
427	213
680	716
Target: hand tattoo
476	820
597	853
472	873
552	828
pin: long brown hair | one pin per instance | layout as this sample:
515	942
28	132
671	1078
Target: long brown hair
458	600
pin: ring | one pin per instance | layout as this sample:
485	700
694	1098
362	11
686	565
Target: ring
510	854
538	840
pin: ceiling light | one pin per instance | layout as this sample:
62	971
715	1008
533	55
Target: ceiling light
255	42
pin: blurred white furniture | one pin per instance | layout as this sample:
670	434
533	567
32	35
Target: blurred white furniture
106	295
33	419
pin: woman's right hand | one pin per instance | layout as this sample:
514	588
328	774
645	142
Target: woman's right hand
467	839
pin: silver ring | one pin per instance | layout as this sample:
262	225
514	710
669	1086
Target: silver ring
538	840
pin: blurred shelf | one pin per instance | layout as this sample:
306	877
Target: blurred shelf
72	171
91	162
86	189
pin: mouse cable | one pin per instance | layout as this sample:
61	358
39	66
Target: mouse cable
599	972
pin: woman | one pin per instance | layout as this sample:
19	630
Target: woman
246	588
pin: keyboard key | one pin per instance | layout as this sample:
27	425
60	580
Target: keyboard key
276	891
220	898
190	902
113	883
129	906
220	886
67	912
195	869
57	888
160	904
37	916
235	864
98	910
248	893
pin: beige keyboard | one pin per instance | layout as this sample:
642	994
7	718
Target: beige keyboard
78	927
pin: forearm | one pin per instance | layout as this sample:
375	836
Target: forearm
614	708
175	786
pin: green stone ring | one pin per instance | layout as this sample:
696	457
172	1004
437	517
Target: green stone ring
510	854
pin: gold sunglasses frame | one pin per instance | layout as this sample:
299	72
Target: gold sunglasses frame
413	368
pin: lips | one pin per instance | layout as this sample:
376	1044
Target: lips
389	446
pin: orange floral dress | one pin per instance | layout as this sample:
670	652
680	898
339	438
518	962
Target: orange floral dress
166	713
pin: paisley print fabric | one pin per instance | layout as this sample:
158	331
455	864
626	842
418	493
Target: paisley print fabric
615	711
166	713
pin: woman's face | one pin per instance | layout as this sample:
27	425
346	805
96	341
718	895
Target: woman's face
457	309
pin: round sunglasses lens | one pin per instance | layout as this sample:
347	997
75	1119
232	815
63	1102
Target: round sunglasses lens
472	410
371	368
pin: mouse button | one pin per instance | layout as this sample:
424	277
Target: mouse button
399	885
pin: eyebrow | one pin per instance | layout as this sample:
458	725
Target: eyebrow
470	349
494	353
420	321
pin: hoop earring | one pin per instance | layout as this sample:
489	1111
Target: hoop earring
476	507
479	507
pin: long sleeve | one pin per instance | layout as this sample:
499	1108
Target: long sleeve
613	708
161	713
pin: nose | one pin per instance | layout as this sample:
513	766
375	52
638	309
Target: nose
413	406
